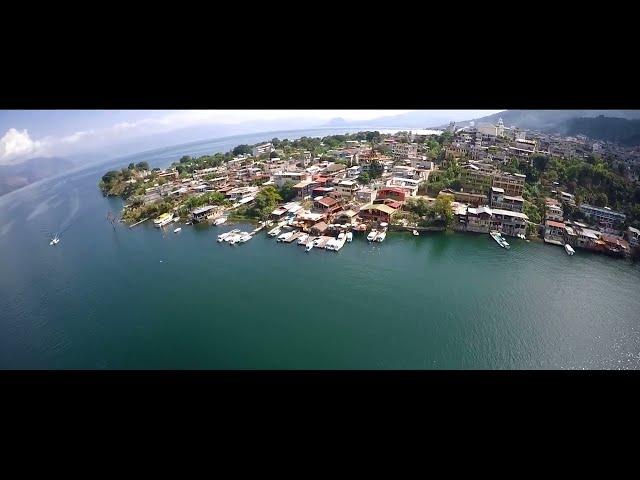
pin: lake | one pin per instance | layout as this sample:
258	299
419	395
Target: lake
145	299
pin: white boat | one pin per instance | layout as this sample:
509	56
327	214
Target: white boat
54	240
219	220
177	230
163	219
416	233
381	236
372	235
226	236
569	249
274	231
302	238
339	242
497	236
285	236
331	244
309	246
349	237
245	238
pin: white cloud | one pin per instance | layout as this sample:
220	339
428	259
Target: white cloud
16	145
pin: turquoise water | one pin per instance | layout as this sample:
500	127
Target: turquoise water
135	298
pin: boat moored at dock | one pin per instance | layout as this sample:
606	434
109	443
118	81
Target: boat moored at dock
372	235
274	232
569	249
497	236
163	220
381	236
349	237
416	233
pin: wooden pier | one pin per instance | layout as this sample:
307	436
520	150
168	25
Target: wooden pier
138	223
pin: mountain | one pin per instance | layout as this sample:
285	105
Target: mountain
549	120
416	119
22	174
621	130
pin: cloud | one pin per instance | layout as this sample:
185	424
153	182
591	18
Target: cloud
16	145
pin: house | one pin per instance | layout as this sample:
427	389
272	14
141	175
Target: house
474	180
406	184
508	222
506	202
346	217
615	244
393	193
203	213
606	217
554	232
280	178
377	213
263	148
365	195
326	205
633	237
511	183
474	199
355	171
404	150
478	219
319	228
346	189
304	188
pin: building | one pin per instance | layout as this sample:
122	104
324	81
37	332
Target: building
346	189
479	219
506	202
203	213
554	212
263	148
346	217
326	205
511	183
355	171
473	199
554	232
392	193
633	237
508	222
365	195
605	217
404	150
474	180
280	178
304	188
408	185
377	212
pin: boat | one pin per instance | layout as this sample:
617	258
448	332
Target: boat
309	246
569	249
177	230
302	238
163	219
416	233
372	235
285	236
497	236
54	241
381	236
349	236
245	237
331	244
219	220
274	231
225	236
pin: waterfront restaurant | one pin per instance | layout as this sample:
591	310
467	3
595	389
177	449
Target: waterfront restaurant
377	213
203	213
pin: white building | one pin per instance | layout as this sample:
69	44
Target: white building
263	148
280	178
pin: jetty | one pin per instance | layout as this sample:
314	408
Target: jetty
138	223
294	236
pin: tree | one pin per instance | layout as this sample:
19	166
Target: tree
273	154
142	166
287	192
364	178
265	201
241	149
131	166
442	207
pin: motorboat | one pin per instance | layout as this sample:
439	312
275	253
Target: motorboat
54	241
274	231
416	233
309	246
569	249
219	220
331	244
226	237
372	235
285	236
497	236
179	229
303	238
163	219
381	236
349	236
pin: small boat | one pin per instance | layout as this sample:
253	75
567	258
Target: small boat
163	219
303	238
416	233
219	220
381	236
285	236
274	231
54	241
349	237
569	249
227	236
497	236
372	235
177	230
309	246
245	238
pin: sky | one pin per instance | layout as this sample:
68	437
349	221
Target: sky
27	134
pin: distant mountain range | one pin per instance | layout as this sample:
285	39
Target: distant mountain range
620	130
20	175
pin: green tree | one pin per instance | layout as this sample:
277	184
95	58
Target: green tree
142	166
266	200
131	166
287	192
443	209
241	149
364	178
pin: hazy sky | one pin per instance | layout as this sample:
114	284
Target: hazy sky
29	133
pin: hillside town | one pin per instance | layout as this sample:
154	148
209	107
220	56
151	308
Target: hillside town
489	179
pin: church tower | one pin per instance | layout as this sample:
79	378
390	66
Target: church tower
500	128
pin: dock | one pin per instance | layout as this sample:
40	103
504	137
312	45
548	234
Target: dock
323	241
138	223
293	237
